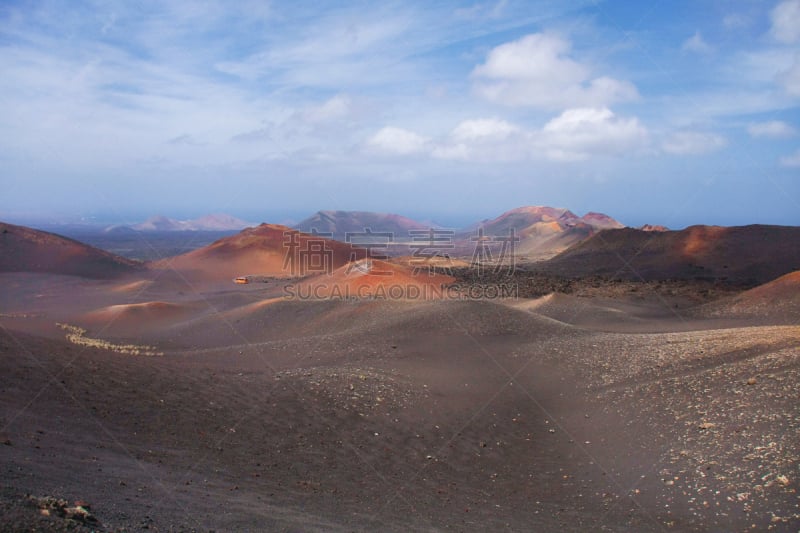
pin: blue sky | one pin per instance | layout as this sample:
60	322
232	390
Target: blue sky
673	113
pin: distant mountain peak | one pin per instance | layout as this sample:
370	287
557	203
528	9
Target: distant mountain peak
544	231
212	222
653	227
339	223
601	221
525	216
158	223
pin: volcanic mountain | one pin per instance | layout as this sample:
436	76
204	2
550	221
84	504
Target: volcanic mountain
24	249
740	254
339	223
523	219
543	231
265	250
215	222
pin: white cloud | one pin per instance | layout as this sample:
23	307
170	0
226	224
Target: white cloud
322	126
692	143
482	11
733	21
696	44
575	134
791	160
583	132
753	75
759	66
337	107
485	139
790	79
786	21
487	128
537	71
772	128
397	141
185	139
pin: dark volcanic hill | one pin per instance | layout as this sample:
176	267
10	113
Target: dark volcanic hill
778	299
740	254
24	249
261	250
341	222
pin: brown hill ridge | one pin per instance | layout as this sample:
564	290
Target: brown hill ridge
266	250
740	254
778	298
24	249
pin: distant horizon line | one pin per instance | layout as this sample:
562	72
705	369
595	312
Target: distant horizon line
99	221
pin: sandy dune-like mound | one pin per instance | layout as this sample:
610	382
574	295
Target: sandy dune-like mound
778	298
575	311
541	303
372	278
248	310
133	286
127	318
266	250
743	254
440	262
279	322
28	250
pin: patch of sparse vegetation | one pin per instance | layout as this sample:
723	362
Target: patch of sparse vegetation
74	514
77	335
